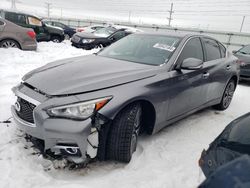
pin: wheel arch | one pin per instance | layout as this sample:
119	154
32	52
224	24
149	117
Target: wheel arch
148	113
10	38
235	79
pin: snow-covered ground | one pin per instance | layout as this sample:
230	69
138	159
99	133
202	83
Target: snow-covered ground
167	159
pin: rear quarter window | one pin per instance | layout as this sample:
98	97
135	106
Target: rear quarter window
212	49
34	21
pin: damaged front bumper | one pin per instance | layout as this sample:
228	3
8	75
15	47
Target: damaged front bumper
76	140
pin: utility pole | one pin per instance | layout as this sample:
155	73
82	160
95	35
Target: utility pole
129	16
242	23
170	18
48	7
13	4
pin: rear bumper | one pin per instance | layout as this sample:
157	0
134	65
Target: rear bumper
29	46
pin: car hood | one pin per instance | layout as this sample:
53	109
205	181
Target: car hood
86	74
243	57
88	35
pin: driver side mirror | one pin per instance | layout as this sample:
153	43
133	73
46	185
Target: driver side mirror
234	51
111	38
192	64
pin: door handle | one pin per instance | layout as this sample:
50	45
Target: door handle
228	67
205	75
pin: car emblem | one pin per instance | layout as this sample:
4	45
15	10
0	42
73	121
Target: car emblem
17	106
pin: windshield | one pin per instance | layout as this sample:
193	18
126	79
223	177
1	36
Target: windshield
105	32
245	50
145	49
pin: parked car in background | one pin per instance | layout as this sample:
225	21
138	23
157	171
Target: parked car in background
141	83
232	143
244	56
101	38
90	29
14	36
43	32
68	31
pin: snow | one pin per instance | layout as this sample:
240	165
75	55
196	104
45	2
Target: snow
166	159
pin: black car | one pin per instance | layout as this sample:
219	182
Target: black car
100	38
68	31
244	57
43	32
141	83
234	174
232	143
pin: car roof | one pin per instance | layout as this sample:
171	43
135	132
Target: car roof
18	12
173	34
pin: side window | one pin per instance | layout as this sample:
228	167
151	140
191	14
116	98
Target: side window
222	50
49	23
118	35
15	18
98	27
34	21
212	49
192	49
59	25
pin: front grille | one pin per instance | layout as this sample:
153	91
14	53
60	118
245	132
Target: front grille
25	110
247	66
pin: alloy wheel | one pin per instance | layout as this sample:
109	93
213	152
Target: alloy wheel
9	44
228	95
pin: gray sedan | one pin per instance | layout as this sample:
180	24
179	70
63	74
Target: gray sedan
14	36
96	106
244	59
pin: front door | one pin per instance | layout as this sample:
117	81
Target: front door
187	90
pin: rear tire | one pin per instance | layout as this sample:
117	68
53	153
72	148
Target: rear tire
56	39
122	138
9	43
227	96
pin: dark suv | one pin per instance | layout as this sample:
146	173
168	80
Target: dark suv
68	31
43	32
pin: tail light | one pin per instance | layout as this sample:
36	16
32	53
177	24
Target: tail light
241	63
80	30
31	34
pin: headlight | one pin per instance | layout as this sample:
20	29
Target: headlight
80	111
84	41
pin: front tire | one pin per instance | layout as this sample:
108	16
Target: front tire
227	96
123	135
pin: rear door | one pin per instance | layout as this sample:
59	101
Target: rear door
217	68
187	85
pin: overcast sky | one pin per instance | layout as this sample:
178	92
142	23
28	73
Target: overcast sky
224	15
